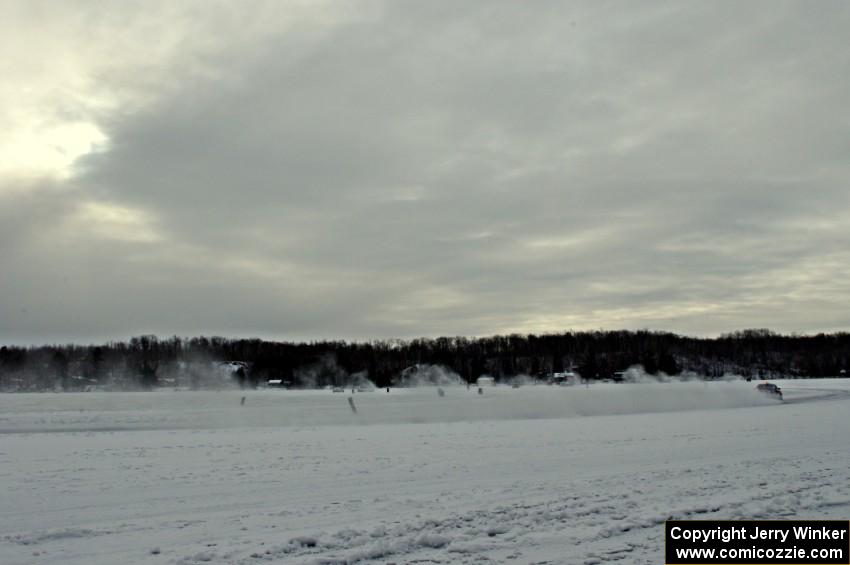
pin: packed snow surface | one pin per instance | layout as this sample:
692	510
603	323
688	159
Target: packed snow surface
538	474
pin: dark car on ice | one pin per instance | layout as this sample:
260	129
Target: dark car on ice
771	389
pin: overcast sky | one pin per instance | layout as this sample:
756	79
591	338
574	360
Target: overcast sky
379	169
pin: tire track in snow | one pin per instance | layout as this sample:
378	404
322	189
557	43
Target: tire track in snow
617	520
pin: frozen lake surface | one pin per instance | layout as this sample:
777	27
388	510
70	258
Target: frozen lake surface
531	475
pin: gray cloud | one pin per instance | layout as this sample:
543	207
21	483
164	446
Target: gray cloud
419	168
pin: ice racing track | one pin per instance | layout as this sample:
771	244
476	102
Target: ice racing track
507	480
817	394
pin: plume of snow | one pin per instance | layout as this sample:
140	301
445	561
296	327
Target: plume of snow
429	375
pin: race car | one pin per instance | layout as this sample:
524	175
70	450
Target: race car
771	389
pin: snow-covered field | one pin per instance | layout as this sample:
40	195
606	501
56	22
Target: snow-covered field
531	475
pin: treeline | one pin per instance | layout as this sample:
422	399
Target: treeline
205	362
